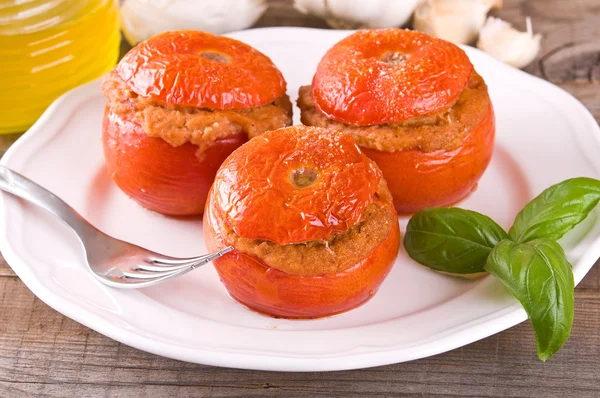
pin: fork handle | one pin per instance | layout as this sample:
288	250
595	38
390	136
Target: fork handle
19	185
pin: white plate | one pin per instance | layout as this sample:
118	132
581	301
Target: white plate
544	136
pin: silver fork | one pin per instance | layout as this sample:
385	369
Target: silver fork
112	261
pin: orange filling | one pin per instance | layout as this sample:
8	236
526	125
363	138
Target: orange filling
202	127
320	257
445	129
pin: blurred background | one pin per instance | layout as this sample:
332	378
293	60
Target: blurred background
48	47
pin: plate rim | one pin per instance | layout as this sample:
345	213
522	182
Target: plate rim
454	338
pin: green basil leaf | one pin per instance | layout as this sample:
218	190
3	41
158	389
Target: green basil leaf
538	274
452	240
556	210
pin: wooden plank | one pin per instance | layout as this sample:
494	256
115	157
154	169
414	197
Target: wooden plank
5	270
591	282
588	94
6	140
42	352
570	54
282	13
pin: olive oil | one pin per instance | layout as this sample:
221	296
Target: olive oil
48	47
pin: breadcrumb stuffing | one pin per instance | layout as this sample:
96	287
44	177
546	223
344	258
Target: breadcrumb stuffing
442	130
337	254
202	127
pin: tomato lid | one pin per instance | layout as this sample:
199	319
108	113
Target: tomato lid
202	70
388	75
294	185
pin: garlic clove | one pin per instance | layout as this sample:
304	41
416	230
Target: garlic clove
312	7
353	14
457	21
142	19
499	39
137	22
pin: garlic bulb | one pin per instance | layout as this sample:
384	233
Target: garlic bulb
353	14
142	19
457	21
499	39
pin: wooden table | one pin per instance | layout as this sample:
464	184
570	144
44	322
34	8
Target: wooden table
43	353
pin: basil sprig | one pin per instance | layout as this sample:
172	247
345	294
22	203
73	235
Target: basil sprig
452	240
527	260
538	274
556	210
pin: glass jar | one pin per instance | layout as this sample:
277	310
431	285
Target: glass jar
48	47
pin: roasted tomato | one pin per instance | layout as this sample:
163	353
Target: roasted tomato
311	221
419	180
414	104
167	179
178	105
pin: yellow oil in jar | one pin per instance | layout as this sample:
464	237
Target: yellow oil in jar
48	47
